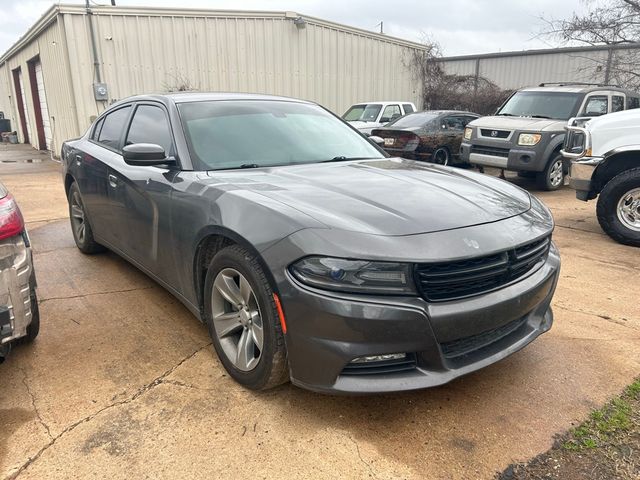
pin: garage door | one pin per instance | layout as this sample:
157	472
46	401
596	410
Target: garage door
24	104
46	123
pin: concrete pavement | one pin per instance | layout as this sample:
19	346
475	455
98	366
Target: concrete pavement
123	381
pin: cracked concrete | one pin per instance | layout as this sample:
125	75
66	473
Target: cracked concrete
123	383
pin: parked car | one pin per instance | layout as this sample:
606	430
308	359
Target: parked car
309	253
19	314
433	135
527	132
605	163
369	115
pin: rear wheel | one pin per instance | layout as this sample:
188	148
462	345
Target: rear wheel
618	207
441	156
82	233
243	320
552	177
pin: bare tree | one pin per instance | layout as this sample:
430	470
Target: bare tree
442	91
614	23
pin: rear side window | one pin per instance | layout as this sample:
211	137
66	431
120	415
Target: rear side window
96	131
408	108
113	127
455	124
391	112
633	102
617	103
150	125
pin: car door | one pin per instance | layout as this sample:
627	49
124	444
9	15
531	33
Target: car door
145	191
390	112
99	153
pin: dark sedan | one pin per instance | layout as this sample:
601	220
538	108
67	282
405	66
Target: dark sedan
308	252
434	136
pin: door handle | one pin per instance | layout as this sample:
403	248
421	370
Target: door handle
113	181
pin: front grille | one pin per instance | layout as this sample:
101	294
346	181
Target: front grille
493	151
382	367
445	281
466	345
486	132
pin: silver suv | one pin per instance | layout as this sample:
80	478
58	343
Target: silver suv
527	132
19	315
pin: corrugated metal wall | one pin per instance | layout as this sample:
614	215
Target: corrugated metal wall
154	53
155	50
520	70
50	47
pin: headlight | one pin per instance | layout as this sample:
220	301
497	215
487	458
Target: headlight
354	275
529	139
467	133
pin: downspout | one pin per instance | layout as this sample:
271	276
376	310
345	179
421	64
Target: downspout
94	48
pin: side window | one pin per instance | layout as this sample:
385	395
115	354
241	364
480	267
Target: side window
453	124
633	102
96	130
112	128
596	105
408	108
617	103
391	112
150	125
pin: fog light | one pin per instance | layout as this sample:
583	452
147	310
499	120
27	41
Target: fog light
380	358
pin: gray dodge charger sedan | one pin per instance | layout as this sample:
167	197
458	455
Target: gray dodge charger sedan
308	252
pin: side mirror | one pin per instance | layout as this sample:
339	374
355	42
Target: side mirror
145	154
377	140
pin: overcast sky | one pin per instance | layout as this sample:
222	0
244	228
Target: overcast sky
460	26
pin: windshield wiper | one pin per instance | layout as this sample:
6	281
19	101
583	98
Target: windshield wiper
506	114
249	165
342	158
539	116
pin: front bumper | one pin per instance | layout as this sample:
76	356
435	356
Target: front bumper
16	282
503	154
581	175
447	339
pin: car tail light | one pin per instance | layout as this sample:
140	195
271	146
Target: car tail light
11	221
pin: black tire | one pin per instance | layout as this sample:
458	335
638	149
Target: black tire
272	368
607	207
84	241
547	179
34	327
441	156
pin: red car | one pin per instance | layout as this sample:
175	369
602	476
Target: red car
433	136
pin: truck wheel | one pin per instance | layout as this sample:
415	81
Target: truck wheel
552	177
618	207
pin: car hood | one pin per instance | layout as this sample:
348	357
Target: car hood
519	123
385	197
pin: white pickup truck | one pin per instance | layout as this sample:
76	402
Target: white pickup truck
605	163
369	115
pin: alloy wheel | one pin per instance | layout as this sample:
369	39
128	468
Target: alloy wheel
237	320
441	157
629	209
555	174
77	217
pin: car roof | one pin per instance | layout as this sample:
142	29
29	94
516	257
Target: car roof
386	102
577	88
446	112
185	97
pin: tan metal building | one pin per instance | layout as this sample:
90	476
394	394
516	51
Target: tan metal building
73	63
512	70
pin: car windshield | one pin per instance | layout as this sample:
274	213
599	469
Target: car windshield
556	105
246	134
412	120
362	113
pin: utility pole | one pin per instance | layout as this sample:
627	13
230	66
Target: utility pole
381	25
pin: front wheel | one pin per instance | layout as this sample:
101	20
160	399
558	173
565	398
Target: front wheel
441	156
618	207
243	321
552	177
